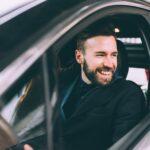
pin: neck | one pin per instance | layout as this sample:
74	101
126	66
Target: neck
84	77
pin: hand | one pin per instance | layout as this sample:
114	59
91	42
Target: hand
27	147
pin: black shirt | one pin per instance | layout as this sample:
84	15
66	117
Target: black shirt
80	90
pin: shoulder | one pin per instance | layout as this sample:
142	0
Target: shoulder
128	85
126	88
130	92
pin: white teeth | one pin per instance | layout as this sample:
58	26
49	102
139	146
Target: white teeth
105	72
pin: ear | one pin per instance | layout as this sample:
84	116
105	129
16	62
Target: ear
79	56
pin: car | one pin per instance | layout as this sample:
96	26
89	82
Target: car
37	39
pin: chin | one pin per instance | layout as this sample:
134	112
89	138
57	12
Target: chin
104	82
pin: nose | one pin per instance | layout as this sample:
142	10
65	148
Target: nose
108	62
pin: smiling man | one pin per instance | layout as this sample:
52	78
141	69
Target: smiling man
100	106
97	107
98	60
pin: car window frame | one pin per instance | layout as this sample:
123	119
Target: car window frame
57	46
15	10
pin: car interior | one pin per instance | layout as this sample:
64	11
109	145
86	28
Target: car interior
133	50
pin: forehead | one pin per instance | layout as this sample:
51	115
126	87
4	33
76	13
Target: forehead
101	43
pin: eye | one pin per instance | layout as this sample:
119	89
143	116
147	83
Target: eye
115	54
100	55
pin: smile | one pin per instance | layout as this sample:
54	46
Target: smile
106	73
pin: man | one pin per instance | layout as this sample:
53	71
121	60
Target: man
99	107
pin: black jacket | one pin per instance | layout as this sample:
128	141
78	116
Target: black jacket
104	115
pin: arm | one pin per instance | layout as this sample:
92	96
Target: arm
130	110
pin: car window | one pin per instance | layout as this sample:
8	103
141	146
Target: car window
139	76
23	105
23	28
134	46
128	32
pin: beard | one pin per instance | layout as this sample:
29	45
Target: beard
93	77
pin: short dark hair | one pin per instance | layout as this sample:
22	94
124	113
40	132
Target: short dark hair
104	28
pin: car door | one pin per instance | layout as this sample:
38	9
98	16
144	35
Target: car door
25	87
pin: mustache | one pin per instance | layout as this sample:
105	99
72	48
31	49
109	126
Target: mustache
104	69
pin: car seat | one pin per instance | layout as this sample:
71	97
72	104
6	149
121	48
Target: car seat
123	67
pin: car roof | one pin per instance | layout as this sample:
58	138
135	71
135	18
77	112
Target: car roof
71	3
10	9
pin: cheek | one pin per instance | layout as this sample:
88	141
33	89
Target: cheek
115	63
94	62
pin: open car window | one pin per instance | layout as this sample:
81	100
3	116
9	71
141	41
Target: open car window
130	31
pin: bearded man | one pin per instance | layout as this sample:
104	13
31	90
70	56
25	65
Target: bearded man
98	106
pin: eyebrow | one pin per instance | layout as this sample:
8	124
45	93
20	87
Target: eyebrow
102	52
